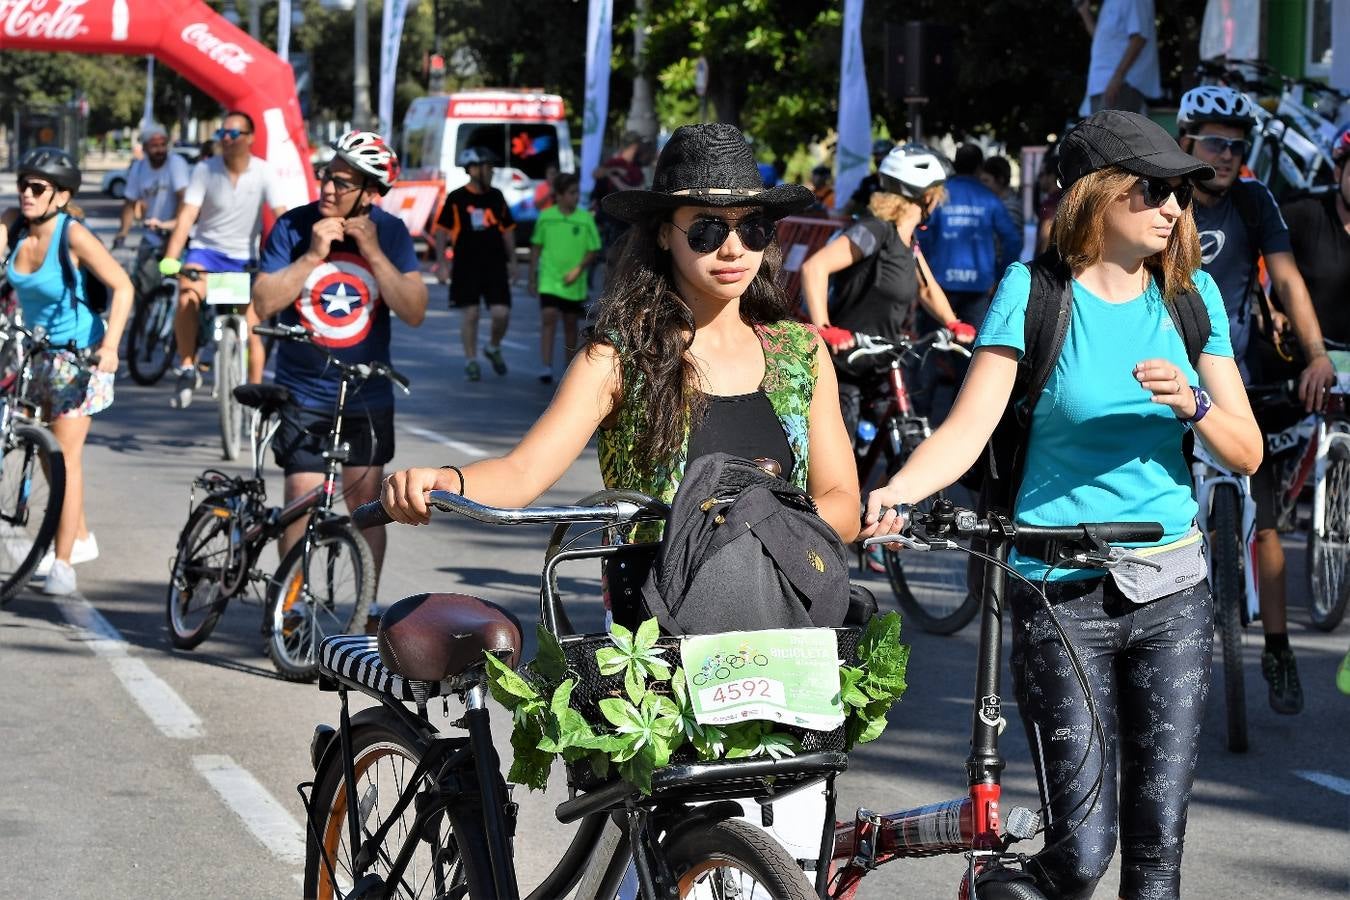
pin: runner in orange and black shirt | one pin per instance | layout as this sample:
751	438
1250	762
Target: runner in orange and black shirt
482	232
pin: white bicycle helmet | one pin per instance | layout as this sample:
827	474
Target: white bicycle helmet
367	153
1217	104
911	169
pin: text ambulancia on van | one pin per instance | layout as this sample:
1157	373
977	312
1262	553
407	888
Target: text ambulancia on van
526	129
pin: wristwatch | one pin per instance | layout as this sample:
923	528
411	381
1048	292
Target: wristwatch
1203	404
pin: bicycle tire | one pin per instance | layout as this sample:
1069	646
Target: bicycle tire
936	593
151	333
1329	553
377	749
206	534
703	857
31	458
231	411
1230	595
294	632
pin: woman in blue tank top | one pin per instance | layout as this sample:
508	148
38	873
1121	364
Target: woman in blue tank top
1105	444
68	390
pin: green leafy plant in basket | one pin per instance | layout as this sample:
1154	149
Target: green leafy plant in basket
653	717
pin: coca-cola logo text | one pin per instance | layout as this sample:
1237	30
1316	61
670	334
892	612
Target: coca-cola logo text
42	19
230	55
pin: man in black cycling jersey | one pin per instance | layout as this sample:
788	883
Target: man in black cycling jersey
1239	221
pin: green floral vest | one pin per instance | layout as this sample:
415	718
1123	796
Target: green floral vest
789	380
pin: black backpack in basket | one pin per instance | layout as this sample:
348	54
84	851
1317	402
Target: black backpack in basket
745	550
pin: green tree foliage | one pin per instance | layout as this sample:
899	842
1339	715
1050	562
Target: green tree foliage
114	86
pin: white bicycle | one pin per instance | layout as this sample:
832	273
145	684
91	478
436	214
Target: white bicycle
222	318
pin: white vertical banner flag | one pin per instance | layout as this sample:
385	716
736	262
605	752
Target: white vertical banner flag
854	148
284	29
391	34
597	90
148	111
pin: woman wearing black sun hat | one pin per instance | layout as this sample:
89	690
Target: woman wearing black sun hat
694	351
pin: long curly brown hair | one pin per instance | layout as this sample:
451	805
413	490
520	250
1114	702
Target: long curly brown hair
642	316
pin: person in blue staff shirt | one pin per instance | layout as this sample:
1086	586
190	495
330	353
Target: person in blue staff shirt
338	267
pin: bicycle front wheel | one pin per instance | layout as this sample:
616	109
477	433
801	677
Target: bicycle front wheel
1230	596
1329	551
206	571
383	763
934	590
227	365
32	488
729	858
314	595
150	338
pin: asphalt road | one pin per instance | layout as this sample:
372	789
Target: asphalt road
141	772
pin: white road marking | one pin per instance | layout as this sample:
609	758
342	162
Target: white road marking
161	703
459	446
516	345
269	821
1332	782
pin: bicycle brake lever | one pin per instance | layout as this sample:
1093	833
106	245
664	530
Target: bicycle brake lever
909	543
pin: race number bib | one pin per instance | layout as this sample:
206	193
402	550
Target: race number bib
228	288
780	675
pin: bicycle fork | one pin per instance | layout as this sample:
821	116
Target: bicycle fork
1207	478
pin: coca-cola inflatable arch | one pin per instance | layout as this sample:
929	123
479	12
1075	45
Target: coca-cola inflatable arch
202	46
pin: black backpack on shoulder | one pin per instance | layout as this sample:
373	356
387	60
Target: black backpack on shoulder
745	550
998	474
95	291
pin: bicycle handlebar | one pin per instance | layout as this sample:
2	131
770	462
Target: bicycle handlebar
39	342
620	512
300	335
873	345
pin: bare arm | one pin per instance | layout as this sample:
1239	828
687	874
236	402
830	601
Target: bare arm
274	291
1132	51
89	251
588	394
832	479
931	295
1085	12
1298	305
835	256
404	292
124	226
1229	430
187	217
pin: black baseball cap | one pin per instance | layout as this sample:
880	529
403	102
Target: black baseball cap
1135	143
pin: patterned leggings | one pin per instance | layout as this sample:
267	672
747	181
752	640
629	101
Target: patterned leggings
1148	666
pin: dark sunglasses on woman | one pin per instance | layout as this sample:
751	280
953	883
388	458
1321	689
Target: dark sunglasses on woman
1157	190
36	188
707	234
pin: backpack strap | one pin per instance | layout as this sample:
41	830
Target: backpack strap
1248	204
1045	327
1191	318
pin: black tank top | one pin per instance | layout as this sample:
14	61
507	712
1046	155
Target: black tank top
743	425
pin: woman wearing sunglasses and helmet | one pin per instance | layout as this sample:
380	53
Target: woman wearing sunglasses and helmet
694	351
1105	444
69	390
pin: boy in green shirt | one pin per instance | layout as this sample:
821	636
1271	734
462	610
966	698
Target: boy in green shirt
564	244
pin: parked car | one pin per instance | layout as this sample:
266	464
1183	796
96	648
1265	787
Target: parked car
115	181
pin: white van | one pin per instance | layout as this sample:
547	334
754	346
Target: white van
526	129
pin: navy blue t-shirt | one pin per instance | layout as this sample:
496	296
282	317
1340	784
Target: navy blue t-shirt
340	305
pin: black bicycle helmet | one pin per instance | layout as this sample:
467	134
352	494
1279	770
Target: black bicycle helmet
53	164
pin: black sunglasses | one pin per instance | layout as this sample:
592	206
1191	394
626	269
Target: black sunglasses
1217	145
1157	190
343	185
707	234
36	188
232	133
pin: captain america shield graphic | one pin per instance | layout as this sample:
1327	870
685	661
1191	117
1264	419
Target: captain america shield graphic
339	300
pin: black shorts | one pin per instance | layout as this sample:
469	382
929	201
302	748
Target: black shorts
570	307
469	286
303	437
1263	492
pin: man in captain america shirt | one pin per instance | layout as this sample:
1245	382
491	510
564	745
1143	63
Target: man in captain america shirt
338	267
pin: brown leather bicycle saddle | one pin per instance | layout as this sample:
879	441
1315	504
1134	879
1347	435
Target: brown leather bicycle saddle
431	637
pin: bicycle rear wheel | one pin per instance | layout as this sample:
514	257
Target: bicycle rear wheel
934	590
227	366
150	338
1329	552
729	858
1229	556
205	574
383	762
331	597
32	488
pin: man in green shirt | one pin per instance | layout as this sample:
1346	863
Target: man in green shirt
564	244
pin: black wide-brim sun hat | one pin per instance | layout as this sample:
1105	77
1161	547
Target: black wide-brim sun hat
1129	141
707	165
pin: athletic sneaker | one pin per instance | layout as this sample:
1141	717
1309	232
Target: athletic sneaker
494	355
60	580
472	370
546	376
189	379
1279	670
85	549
